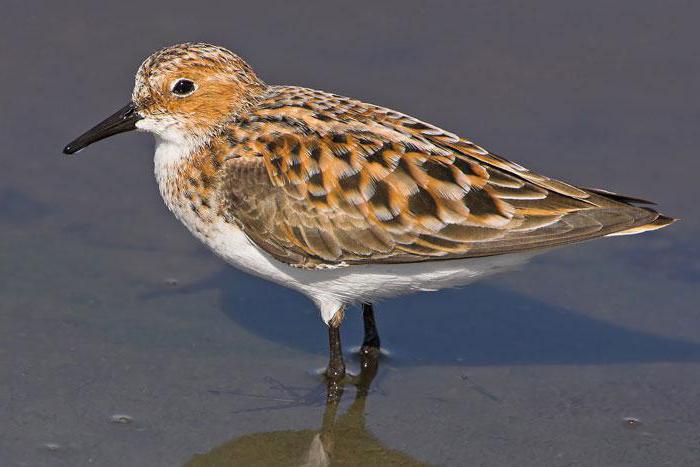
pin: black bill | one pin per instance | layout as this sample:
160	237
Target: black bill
122	120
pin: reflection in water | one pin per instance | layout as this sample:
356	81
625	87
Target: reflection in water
342	439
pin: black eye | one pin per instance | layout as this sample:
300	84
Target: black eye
183	87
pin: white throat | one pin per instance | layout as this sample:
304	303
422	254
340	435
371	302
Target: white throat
172	144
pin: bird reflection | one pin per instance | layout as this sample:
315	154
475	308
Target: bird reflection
342	439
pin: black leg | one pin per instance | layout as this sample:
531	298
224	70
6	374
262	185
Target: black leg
336	366
370	343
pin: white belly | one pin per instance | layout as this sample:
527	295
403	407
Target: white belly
330	288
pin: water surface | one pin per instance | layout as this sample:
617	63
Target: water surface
124	342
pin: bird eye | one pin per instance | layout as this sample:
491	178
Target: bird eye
184	87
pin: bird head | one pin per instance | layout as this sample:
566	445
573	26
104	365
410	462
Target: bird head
183	94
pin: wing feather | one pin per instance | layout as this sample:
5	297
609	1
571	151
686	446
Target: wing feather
331	181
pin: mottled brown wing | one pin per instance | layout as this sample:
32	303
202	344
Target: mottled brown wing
319	180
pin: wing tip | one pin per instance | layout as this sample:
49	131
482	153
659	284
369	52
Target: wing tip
659	223
618	197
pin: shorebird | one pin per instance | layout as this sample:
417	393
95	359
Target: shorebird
344	201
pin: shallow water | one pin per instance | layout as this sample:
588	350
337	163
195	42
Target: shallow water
124	342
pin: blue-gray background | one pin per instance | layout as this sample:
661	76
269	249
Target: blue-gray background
109	307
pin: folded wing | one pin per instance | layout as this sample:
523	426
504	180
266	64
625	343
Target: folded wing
318	180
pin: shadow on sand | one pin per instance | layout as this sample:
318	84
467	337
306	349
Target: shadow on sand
477	325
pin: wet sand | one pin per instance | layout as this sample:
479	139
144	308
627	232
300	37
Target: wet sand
125	342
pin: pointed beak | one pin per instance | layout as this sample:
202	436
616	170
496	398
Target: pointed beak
122	120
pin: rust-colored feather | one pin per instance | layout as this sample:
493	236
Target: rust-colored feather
317	179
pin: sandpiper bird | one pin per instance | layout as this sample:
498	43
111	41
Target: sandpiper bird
344	201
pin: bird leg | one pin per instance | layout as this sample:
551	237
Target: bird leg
336	365
370	342
369	353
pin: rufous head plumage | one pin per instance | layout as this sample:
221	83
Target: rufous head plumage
189	90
